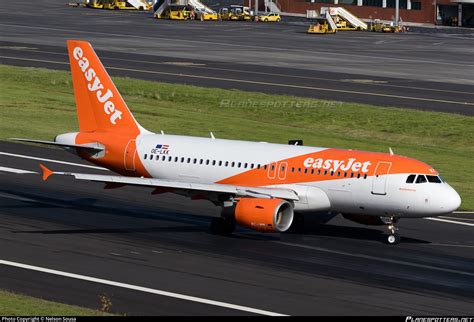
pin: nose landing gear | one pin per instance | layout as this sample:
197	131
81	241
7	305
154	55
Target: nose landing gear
392	237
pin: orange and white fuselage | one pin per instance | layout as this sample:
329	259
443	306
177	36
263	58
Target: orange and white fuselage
263	183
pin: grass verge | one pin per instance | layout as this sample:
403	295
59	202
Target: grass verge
12	304
39	103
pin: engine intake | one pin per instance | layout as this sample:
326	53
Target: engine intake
264	215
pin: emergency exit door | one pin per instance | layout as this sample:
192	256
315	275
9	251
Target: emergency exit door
379	183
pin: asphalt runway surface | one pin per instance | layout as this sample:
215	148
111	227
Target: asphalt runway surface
421	70
156	244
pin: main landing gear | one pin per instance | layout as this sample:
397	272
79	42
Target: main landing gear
392	237
225	224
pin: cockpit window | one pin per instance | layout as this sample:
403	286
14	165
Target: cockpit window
433	179
420	179
411	178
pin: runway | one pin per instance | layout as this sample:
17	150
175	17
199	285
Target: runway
162	243
427	71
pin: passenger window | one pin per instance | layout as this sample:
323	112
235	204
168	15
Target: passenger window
312	171
207	162
201	161
433	179
245	165
213	162
338	173
273	167
227	163
305	170
220	163
293	169
299	169
182	159
352	174
163	158
232	164
325	172
282	168
157	158
345	174
189	160
332	173
358	175
258	166
170	158
411	178
195	161
175	159
145	156
420	179
365	176
251	166
265	167
239	164
319	171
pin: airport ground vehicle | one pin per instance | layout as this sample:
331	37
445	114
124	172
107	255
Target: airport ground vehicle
343	18
379	26
236	13
259	185
176	12
120	5
322	26
270	16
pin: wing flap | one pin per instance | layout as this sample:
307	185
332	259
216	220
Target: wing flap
241	191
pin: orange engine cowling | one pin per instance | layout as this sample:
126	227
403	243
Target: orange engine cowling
264	215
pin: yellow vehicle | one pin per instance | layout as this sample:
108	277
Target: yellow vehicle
321	26
122	5
271	16
206	16
235	13
176	12
378	26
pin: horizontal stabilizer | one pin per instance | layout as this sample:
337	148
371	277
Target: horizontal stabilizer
88	146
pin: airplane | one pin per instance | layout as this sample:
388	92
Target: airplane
262	186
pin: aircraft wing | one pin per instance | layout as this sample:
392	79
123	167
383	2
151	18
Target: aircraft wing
240	191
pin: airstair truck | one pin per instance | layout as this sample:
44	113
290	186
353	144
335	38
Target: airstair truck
344	19
191	9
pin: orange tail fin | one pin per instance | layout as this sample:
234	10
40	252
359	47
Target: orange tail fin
99	104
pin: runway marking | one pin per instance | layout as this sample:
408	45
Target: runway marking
386	260
200	41
234	80
450	221
458	218
54	161
270	74
13	170
9	196
140	288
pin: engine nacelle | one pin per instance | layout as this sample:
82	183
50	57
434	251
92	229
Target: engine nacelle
364	219
264	215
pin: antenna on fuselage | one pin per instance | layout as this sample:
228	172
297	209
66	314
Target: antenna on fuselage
212	135
162	132
390	150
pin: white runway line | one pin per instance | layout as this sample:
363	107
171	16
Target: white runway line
54	161
13	170
450	221
141	289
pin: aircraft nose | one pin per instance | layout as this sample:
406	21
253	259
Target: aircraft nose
451	200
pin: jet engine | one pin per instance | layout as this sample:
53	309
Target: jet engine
364	219
264	215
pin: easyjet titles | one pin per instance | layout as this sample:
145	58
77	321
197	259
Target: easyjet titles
95	85
334	165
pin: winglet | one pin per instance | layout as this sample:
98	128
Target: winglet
46	172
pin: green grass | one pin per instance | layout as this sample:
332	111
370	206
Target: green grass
39	103
12	304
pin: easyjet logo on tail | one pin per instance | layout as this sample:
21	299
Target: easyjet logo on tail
94	85
335	165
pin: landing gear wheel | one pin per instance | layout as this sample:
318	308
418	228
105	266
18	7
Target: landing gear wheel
393	239
222	226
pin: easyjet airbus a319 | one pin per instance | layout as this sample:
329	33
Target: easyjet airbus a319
262	186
